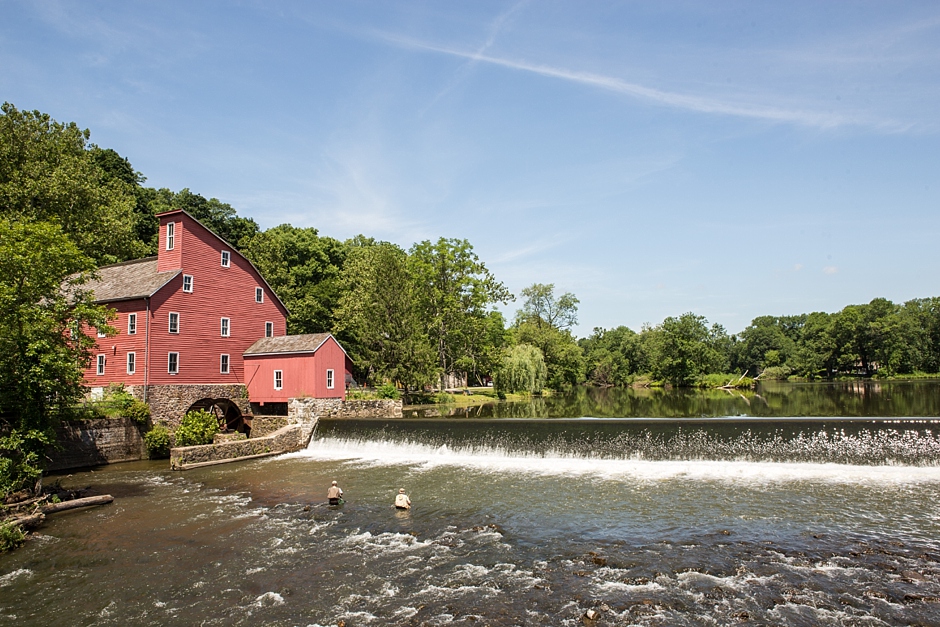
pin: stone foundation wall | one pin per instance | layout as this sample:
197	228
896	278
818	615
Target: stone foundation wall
168	403
94	442
336	408
283	440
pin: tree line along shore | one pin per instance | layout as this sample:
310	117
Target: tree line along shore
416	319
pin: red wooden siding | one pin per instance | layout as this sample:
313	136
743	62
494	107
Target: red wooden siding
170	259
304	374
116	348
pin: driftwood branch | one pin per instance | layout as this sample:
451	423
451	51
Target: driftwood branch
30	521
74	503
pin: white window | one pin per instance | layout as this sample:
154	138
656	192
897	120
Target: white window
329	379
188	283
174	322
278	379
173	363
131	363
101	334
259	295
100	370
223	364
268	329
226	329
226	258
131	324
170	235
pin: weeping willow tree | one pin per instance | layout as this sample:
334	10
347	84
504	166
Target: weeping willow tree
522	370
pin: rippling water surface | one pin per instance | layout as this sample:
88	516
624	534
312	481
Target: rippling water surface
793	522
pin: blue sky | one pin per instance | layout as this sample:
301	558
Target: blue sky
733	159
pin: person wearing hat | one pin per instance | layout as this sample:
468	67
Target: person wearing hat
402	501
334	494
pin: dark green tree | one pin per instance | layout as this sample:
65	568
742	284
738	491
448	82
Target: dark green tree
613	356
117	167
684	348
379	317
543	322
455	293
816	351
49	172
305	271
44	310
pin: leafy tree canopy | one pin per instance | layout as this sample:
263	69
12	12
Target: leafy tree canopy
543	307
305	271
454	292
49	172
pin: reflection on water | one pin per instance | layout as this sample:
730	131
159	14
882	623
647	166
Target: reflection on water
770	399
515	522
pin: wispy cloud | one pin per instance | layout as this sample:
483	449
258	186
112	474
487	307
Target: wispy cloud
701	104
830	270
496	27
526	251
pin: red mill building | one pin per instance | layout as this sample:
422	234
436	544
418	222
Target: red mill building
185	319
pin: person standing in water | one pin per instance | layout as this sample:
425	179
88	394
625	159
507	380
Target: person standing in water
334	494
402	501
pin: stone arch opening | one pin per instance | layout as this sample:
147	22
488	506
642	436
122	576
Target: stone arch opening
226	412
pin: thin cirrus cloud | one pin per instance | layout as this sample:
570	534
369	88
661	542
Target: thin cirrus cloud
699	104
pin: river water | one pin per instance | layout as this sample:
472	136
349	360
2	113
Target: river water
736	519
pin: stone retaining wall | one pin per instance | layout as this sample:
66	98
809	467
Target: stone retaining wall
97	441
284	440
266	425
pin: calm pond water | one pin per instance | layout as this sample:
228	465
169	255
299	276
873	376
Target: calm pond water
862	399
709	521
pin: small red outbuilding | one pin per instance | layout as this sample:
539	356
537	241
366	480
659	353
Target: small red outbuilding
296	366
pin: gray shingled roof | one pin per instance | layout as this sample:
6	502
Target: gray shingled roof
308	343
132	279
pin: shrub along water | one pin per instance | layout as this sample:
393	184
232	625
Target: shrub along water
157	441
197	427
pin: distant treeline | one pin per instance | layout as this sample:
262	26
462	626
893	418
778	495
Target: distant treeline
880	338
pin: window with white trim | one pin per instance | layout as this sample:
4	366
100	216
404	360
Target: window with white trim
223	364
170	235
259	295
188	283
329	379
278	379
101	333
226	258
226	327
132	324
174	322
100	369
173	363
131	363
268	329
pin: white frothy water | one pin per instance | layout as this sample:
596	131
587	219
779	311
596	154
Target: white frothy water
421	456
7	579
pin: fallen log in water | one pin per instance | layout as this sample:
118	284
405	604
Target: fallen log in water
74	503
27	522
